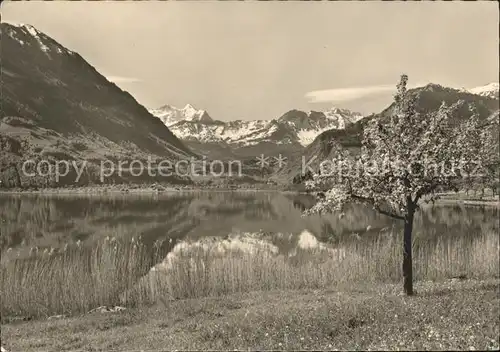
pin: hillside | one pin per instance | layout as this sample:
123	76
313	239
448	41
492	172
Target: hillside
55	105
429	98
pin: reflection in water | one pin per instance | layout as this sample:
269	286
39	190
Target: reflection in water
53	221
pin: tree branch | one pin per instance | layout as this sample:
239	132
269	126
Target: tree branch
392	215
423	191
371	201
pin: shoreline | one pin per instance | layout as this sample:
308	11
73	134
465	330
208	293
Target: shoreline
494	203
138	190
447	198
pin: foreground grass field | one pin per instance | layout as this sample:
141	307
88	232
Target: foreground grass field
79	279
447	315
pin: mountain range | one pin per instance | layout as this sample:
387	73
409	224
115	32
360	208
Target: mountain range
289	133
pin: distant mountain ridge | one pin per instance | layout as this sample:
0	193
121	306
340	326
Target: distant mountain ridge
291	132
55	105
490	90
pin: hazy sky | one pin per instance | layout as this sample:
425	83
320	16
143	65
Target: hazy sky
257	60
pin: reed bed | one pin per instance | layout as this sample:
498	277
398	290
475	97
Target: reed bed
78	278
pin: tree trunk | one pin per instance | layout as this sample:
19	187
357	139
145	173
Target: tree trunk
18	177
407	252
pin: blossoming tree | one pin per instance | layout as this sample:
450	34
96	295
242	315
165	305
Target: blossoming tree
407	157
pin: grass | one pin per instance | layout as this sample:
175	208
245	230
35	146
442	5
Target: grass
450	315
76	279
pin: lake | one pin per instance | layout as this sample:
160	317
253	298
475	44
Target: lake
46	221
72	253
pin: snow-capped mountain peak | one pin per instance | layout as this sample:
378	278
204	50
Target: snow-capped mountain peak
26	34
189	111
189	107
171	115
340	111
343	117
192	114
490	90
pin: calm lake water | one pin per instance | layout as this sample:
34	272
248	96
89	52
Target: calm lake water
55	220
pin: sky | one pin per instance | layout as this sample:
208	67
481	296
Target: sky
257	60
